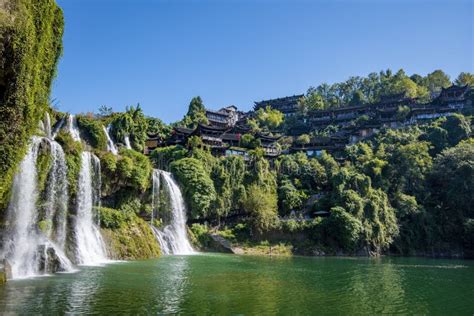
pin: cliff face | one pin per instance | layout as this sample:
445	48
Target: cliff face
30	46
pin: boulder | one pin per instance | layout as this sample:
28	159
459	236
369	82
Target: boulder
221	244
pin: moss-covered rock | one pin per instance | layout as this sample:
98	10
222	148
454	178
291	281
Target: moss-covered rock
43	165
30	46
72	151
128	239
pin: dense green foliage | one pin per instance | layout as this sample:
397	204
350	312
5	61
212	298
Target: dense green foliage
31	43
196	114
133	124
198	187
261	204
93	132
43	165
344	228
125	179
370	89
162	157
128	236
157	127
267	119
451	183
405	191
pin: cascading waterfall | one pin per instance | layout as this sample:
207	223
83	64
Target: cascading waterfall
37	218
72	128
155	194
90	247
173	237
47	125
57	197
127	142
57	128
110	143
28	250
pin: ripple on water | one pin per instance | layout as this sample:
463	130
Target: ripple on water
225	284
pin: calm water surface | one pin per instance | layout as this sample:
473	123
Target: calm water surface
226	284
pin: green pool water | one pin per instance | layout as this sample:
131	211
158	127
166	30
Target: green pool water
230	285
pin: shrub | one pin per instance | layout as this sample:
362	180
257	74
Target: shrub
249	141
111	218
93	132
132	169
124	168
108	162
140	171
261	204
200	235
197	186
343	228
162	157
290	198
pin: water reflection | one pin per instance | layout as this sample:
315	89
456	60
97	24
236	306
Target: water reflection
82	290
221	284
171	284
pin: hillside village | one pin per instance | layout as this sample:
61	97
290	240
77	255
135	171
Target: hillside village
349	124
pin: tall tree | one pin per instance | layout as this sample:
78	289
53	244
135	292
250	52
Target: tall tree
196	114
465	78
435	81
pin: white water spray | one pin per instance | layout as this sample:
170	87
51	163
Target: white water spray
90	247
57	128
29	251
57	197
173	238
127	142
110	143
72	128
47	125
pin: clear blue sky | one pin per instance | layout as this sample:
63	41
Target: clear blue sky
162	53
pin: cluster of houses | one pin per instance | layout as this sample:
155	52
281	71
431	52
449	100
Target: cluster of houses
227	125
222	135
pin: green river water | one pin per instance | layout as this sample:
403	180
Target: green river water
242	285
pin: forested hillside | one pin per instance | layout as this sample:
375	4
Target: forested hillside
404	190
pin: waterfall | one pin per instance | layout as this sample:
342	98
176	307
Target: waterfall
173	237
72	128
155	194
57	128
90	247
47	125
127	142
28	250
110	143
57	197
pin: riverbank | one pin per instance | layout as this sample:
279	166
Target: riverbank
226	242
